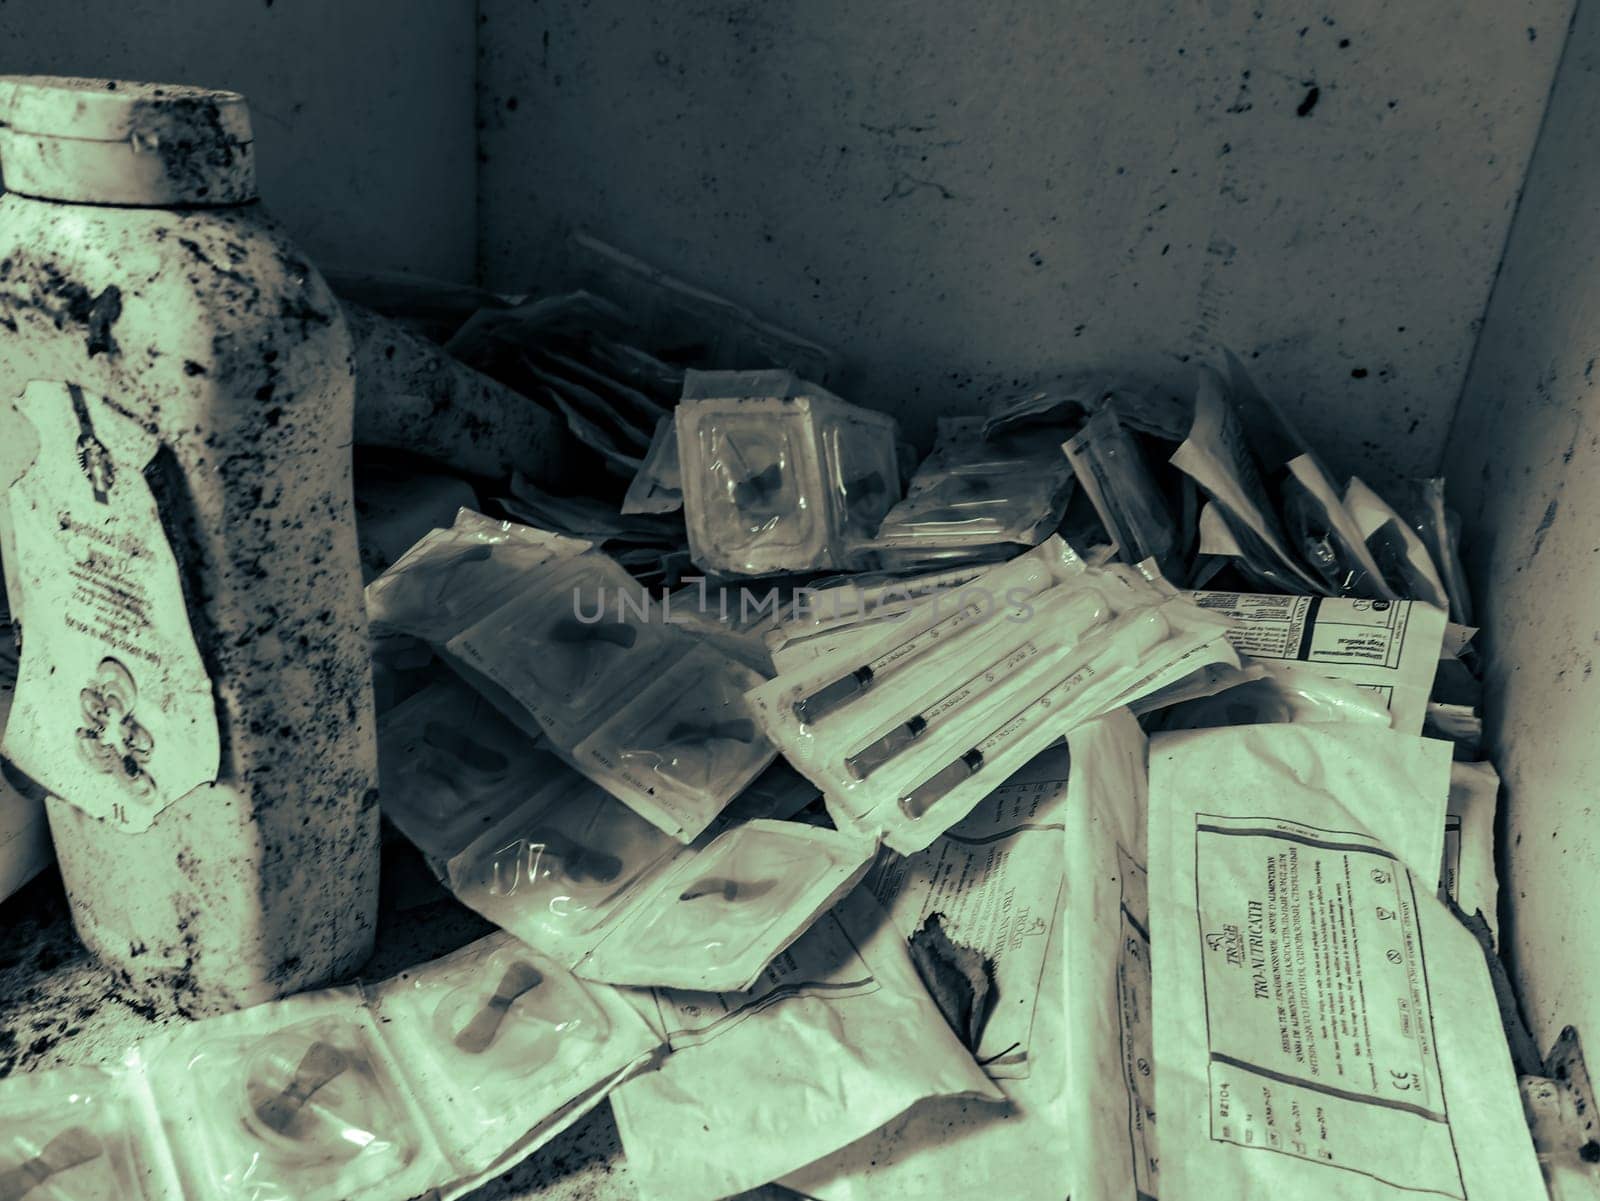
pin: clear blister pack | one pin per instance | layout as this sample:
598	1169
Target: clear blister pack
81	1134
780	475
971	492
585	881
502	1042
684	747
450	765
557	870
293	1101
568	645
925	718
452	577
719	916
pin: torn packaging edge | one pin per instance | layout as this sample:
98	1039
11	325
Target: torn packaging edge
774	1091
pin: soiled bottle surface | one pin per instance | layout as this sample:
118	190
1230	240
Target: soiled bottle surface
179	548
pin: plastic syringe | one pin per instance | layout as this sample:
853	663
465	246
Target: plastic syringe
1146	633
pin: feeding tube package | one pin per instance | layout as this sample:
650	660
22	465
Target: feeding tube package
1324	1026
780	475
919	722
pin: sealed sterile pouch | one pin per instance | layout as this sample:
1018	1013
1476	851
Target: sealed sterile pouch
1397	549
1421	504
1390	648
994	880
719	916
450	766
861	458
1110	1111
836	1038
452	577
569	644
1276	698
909	731
1113	474
1217	457
1460	724
752	487
82	1134
780	475
988	878
1324	1026
297	1100
683	746
499	1042
971	491
558	869
1468	876
658	488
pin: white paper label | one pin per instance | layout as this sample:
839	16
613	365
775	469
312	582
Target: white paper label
1318	1017
995	880
114	710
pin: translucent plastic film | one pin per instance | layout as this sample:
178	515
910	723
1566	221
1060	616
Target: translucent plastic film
452	577
973	491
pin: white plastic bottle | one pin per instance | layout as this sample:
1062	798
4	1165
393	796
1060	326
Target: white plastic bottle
179	548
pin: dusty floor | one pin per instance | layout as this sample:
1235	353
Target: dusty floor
57	1007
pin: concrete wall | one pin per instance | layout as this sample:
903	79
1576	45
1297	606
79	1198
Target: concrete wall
965	196
363	109
1524	461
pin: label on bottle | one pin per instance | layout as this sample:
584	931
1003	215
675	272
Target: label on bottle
114	711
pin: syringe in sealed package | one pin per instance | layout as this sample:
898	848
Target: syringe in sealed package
1067	621
1148	630
935	633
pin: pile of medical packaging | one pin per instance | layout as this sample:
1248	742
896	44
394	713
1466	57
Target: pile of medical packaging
956	820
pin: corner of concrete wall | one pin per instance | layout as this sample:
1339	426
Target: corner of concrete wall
363	109
1523	466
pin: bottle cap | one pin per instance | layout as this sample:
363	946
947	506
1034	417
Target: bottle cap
109	141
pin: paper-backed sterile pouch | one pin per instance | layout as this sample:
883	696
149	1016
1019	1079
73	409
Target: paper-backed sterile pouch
452	577
838	1037
1390	648
1396	548
988	876
658	488
1324	1026
1216	456
1110	1111
1468	876
507	1047
1112	472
